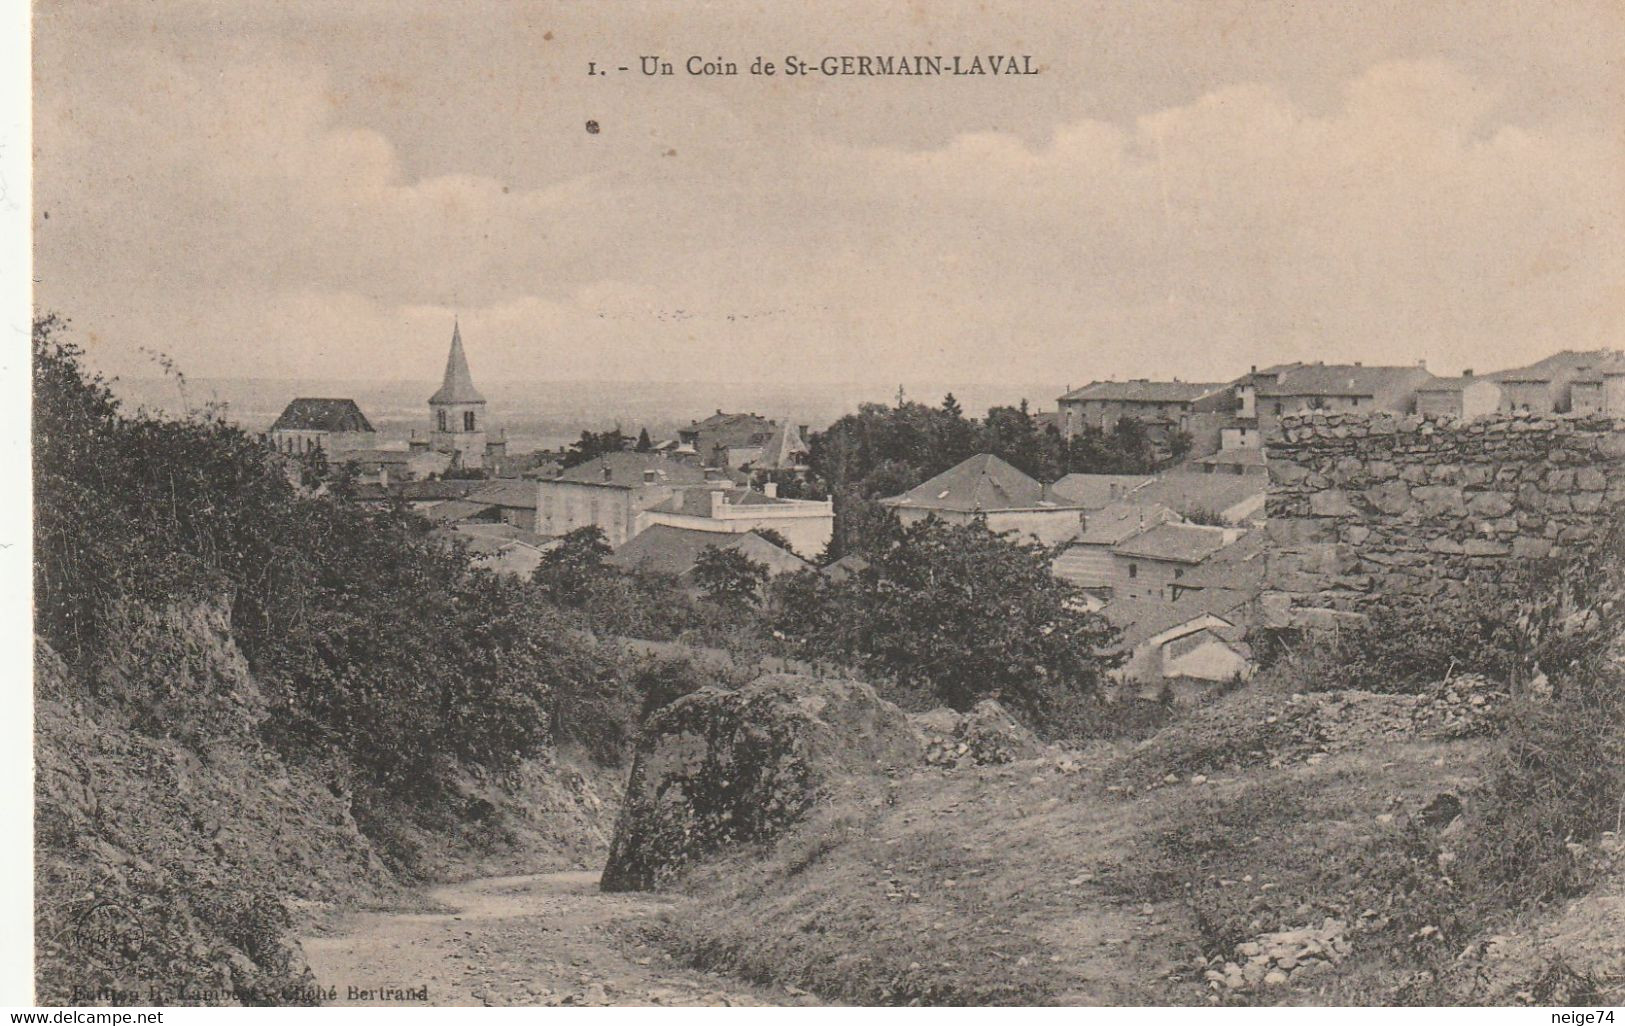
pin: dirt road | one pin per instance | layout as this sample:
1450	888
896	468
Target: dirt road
520	940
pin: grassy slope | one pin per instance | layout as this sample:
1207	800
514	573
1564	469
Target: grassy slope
1028	884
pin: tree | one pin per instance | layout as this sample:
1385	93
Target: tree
768	534
962	611
568	571
645	443
593	444
730	578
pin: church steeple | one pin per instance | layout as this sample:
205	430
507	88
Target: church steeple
457	410
458	384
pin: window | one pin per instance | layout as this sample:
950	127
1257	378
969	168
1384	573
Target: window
1133	571
440	420
468	420
1179	572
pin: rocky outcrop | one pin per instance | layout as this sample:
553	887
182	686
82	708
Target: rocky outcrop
720	768
1363	506
986	736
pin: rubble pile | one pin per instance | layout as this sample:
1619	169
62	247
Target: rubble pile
1464	706
1288	956
986	736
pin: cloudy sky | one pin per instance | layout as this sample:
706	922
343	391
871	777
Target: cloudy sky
312	188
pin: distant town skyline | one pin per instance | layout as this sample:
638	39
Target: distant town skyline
313	190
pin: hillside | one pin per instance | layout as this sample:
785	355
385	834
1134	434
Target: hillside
1271	849
176	852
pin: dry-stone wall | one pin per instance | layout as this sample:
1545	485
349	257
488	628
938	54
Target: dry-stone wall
1362	506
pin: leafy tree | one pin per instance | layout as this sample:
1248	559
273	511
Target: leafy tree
730	578
960	610
568	571
593	444
768	534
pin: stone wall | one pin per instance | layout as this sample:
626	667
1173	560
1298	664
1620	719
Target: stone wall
1363	506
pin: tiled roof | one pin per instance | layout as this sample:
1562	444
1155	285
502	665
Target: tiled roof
626	470
1139	620
1097	491
1238	566
1190	493
784	451
1338	379
846	566
674	550
456	509
983	483
322	415
458	384
1142	390
1122	520
1178	543
515	494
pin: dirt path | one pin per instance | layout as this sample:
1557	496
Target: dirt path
518	940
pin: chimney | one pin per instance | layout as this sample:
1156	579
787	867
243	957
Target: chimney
383	476
719	499
1467	373
802	431
771	489
608	474
1422	364
1255	368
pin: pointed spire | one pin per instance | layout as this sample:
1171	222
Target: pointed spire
458	385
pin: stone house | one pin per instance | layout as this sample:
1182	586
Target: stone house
1263	397
331	426
1188	645
1569	381
1089	561
386	465
612	491
729	439
985	486
1462	398
807	525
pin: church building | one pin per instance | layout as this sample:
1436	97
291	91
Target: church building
457	412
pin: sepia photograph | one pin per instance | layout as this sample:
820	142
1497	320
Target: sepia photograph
867	503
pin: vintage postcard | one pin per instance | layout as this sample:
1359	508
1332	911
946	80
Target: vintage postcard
866	503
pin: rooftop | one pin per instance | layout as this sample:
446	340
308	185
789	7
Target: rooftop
981	484
322	415
1122	520
674	550
1190	494
628	469
1097	491
1174	542
1144	390
517	494
1139	620
458	384
1336	379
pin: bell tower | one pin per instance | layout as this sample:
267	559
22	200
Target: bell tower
457	410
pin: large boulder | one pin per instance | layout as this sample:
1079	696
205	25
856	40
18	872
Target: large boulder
719	768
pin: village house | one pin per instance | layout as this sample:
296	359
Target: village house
612	491
729	439
784	457
985	486
806	525
1463	398
1569	381
1138	548
1097	491
675	551
1200	409
1263	397
1187	646
416	495
329	426
1088	560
